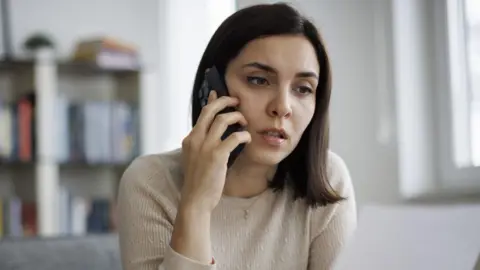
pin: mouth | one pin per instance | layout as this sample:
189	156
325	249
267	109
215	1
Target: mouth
274	132
274	136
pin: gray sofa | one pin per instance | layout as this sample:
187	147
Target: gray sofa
93	252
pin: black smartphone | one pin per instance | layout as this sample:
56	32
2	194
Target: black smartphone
213	81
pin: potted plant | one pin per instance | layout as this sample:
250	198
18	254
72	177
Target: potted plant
38	42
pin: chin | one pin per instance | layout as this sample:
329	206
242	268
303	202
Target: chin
262	156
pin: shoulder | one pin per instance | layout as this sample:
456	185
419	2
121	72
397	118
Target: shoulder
153	175
342	214
339	175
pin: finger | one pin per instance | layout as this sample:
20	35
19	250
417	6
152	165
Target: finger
208	113
190	149
235	139
221	123
212	96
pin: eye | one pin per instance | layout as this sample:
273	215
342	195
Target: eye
304	90
257	80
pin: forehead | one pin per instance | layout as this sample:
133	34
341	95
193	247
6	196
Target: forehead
285	53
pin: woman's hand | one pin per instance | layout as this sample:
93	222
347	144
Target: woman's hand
205	155
205	158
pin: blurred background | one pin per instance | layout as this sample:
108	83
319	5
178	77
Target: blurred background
86	86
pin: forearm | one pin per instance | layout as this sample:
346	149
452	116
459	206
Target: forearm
191	234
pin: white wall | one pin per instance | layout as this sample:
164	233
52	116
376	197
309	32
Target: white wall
67	21
358	37
415	89
189	26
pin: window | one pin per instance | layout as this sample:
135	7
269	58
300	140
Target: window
463	31
471	9
458	91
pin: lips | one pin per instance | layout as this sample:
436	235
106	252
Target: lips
274	137
274	132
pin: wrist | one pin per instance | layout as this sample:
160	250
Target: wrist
194	211
191	233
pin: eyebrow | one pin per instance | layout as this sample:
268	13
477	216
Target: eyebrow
267	68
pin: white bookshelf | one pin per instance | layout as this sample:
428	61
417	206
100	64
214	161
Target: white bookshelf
42	179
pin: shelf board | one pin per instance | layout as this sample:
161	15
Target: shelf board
9	65
68	66
67	165
59	237
88	165
92	68
15	163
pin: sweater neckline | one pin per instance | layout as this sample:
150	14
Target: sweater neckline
232	201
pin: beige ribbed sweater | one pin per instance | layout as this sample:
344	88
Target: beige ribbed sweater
269	231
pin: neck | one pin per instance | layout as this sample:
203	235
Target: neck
247	179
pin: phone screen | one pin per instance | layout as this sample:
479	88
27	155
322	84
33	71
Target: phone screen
213	81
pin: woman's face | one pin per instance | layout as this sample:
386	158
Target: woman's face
275	79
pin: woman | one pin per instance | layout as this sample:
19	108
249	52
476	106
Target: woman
286	202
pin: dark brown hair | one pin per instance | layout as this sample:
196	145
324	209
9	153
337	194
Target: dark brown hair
304	171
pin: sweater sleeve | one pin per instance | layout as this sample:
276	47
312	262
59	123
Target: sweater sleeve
145	219
333	225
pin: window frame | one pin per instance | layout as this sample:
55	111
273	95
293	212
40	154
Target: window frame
454	142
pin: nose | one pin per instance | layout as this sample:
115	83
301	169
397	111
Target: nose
280	105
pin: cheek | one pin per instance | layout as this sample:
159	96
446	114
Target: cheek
302	115
251	106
